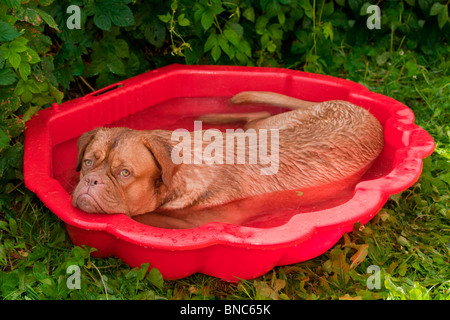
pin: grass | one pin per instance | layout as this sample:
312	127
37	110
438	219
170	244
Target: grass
409	239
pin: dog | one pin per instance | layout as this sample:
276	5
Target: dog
132	171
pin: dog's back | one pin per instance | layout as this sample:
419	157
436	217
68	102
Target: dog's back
319	143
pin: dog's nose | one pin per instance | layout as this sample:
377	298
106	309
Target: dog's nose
93	180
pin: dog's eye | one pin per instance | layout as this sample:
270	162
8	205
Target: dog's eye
125	173
88	163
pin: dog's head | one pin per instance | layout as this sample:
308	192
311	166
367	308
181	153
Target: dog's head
122	171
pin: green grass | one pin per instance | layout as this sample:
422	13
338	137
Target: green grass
409	240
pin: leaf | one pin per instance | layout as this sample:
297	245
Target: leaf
244	47
121	48
210	42
183	21
7	77
115	64
260	24
224	45
4	139
7	32
359	256
382	58
102	21
48	19
281	17
24	69
207	20
249	14
15	60
348	297
328	30
155	33
437	8
12	226
12	3
29	15
276	32
115	12
55	93
120	14
232	36
165	17
216	53
306	5
443	17
155	278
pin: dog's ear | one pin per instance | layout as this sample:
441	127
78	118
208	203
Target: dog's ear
82	144
161	150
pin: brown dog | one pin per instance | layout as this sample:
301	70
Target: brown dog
134	172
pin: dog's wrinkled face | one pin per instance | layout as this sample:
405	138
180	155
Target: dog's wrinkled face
119	172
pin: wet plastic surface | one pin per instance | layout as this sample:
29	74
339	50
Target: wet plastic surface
289	230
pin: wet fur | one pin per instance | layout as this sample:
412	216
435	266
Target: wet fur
319	143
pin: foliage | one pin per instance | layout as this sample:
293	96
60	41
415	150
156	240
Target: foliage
42	61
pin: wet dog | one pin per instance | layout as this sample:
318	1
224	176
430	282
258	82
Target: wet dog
134	172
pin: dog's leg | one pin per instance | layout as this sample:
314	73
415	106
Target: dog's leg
301	110
271	99
224	118
160	220
259	120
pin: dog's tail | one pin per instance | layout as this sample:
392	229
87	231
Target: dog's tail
271	99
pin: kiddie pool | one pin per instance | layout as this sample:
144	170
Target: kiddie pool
170	98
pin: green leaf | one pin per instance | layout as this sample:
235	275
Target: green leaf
15	60
48	19
55	93
121	48
207	20
216	53
12	3
224	45
108	12
245	48
281	17
306	5
443	18
12	222
276	32
260	25
165	17
115	65
7	77
24	69
328	30
217	8
121	15
249	14
382	58
18	45
155	278
437	8
231	36
183	21
7	32
155	33
102	21
210	42
4	139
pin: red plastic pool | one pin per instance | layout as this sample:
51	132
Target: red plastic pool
172	97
